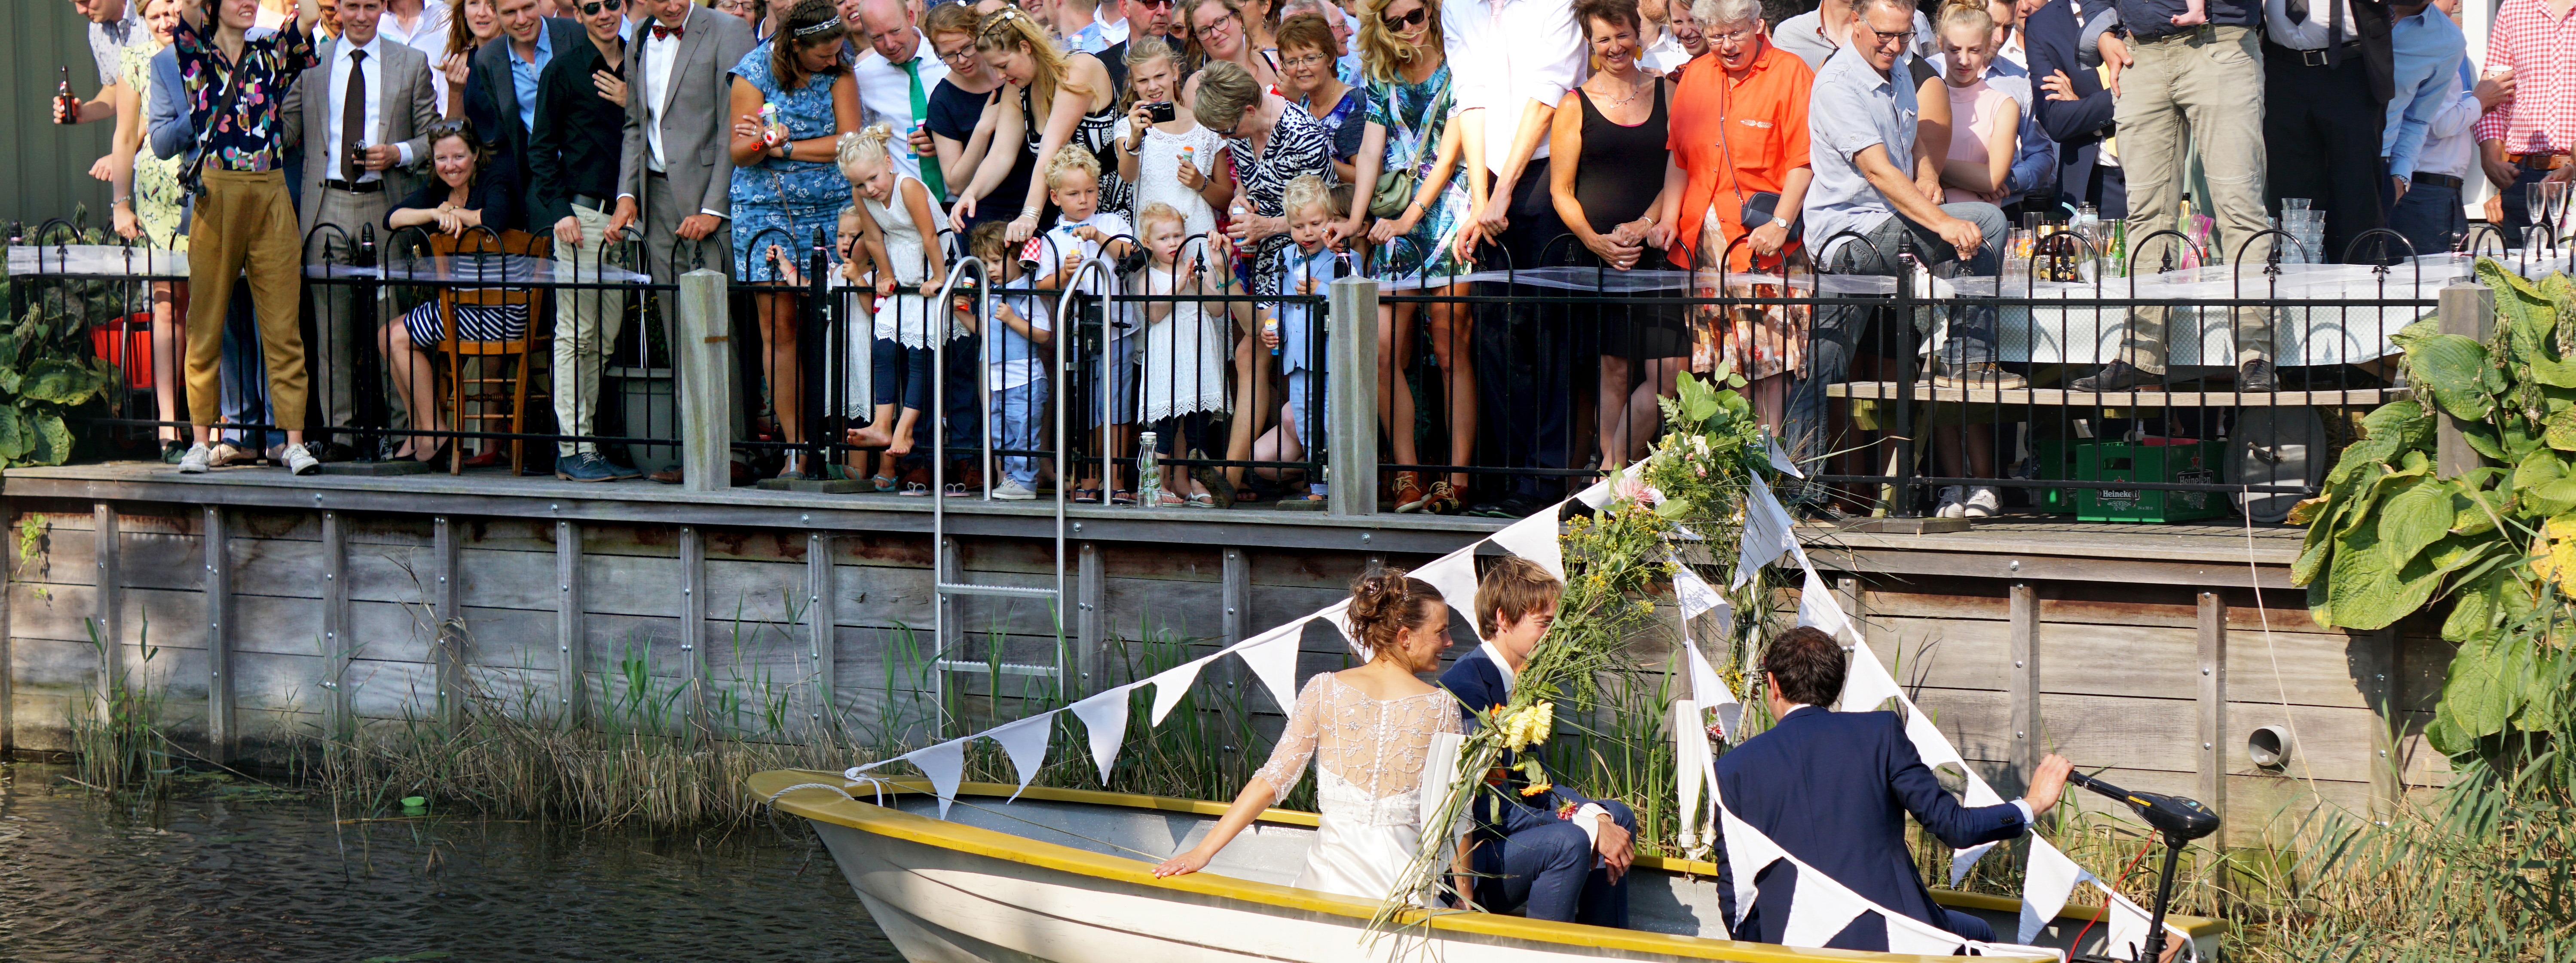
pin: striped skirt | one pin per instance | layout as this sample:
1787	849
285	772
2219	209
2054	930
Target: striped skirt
474	322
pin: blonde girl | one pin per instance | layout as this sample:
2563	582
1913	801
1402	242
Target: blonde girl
899	223
1081	107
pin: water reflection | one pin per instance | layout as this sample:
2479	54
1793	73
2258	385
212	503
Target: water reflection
225	870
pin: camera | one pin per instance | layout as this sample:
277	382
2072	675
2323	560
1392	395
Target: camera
1160	112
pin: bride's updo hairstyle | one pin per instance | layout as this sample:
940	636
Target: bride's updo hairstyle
1390	601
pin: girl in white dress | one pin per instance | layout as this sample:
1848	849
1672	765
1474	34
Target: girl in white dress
897	219
1368	731
1152	155
1185	345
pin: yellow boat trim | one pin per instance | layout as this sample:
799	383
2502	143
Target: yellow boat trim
828	806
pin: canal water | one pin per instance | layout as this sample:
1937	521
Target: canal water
227	869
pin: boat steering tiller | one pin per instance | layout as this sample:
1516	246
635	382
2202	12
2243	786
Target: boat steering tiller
2180	820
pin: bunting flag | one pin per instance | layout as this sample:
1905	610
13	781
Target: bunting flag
1767	533
2051	878
1535	538
1339	614
1595	496
1173	683
1104	718
944	764
1691	770
1817	608
1025	741
1272	656
1692	592
1454	575
1781	460
2128	924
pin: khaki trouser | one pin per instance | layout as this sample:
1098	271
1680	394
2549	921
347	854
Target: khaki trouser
2204	88
244	221
587	321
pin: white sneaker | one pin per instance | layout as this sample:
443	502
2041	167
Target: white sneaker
1984	501
194	462
298	461
1010	490
1952	503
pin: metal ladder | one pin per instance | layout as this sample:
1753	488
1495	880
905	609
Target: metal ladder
942	553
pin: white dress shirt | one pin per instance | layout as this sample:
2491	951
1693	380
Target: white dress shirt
660	55
427	35
1112	32
885	96
2312	34
1583	818
1505	54
373	124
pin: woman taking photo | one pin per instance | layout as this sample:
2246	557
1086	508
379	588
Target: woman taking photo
1306	70
1609	144
785	185
965	106
1367	731
467	194
1410	101
1218	32
1080	107
476	23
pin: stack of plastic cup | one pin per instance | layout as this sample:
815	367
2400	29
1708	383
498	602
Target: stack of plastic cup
2306	227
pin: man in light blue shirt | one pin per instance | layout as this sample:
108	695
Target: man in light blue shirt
1864	206
2429	51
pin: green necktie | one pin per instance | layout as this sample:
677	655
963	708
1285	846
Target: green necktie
921	109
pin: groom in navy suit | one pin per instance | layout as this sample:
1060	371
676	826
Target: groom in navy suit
1833	789
1556	854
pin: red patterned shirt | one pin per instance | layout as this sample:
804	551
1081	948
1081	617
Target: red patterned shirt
2541	50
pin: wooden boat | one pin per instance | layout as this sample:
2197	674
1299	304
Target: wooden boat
1066	875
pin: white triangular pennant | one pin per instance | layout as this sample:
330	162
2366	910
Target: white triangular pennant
1766	532
1339	614
1595	496
1929	743
1535	538
1692	592
1781	460
1820	908
1104	719
1905	934
2127	923
943	763
1689	744
1272	657
1454	575
1817	608
1173	683
1025	741
2046	883
1866	686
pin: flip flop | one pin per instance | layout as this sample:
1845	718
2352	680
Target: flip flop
916	490
1204	500
1122	497
883	484
1086	496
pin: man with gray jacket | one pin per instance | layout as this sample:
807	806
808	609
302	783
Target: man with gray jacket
675	175
363	115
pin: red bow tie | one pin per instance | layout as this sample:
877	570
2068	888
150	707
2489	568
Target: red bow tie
661	32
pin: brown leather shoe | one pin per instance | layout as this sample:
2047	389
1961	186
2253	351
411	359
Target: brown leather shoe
739	475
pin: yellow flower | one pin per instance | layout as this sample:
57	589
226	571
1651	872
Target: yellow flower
1529	726
1536	788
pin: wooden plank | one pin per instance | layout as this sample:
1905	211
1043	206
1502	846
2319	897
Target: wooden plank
223	734
2467	309
339	640
1092	620
8	651
2375	663
106	612
447	604
693	621
2027	721
822	603
2060	397
572	649
2213	702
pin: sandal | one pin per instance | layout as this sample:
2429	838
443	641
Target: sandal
1173	499
916	490
883	484
1122	497
1203	500
1408	492
1086	496
958	490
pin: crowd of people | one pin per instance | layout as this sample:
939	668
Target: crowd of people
1232	157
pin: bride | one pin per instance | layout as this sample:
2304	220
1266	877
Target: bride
1368	730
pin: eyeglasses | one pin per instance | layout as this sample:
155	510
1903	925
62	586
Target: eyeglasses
1882	41
1729	38
592	9
1415	19
1218	25
1301	63
1163	4
962	54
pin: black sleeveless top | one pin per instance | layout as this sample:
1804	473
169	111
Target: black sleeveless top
1622	168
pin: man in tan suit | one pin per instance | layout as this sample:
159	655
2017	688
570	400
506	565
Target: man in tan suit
676	175
363	114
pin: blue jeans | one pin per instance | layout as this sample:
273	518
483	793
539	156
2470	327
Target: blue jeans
1305	397
2516	216
1549	872
1017	412
244	399
2430	217
1838	328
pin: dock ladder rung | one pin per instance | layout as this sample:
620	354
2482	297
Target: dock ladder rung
1013	591
1006	668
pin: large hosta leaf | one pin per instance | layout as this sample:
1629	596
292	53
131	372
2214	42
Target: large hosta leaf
15	436
2486	683
53	442
2454	369
2367	590
55	381
2415	517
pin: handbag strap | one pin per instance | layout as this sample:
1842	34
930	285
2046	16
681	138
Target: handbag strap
1424	119
193	177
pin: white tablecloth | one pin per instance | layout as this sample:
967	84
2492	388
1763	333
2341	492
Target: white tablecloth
109	260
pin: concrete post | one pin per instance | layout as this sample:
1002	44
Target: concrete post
2468	310
704	354
1350	417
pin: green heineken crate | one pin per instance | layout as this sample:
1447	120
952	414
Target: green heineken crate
2054	459
2174	460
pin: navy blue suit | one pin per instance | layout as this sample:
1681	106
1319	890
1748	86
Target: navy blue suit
1833	789
2051	35
1527	856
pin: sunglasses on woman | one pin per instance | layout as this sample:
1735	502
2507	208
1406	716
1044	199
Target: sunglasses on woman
1414	19
592	9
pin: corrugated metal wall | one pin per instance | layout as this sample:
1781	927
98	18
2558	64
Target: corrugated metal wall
44	169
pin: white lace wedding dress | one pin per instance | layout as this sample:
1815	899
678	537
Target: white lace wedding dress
1369	758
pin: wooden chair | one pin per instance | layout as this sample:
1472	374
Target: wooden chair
518	355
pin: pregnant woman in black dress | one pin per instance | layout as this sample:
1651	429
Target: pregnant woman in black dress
1609	147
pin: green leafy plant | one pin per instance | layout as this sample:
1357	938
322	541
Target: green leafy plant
48	369
2389	536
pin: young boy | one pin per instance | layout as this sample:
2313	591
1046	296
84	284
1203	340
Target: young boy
1535	852
1083	232
1289	332
1016	353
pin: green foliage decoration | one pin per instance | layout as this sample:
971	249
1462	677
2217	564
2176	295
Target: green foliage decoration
48	369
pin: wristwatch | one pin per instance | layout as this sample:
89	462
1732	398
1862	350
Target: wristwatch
1779	222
